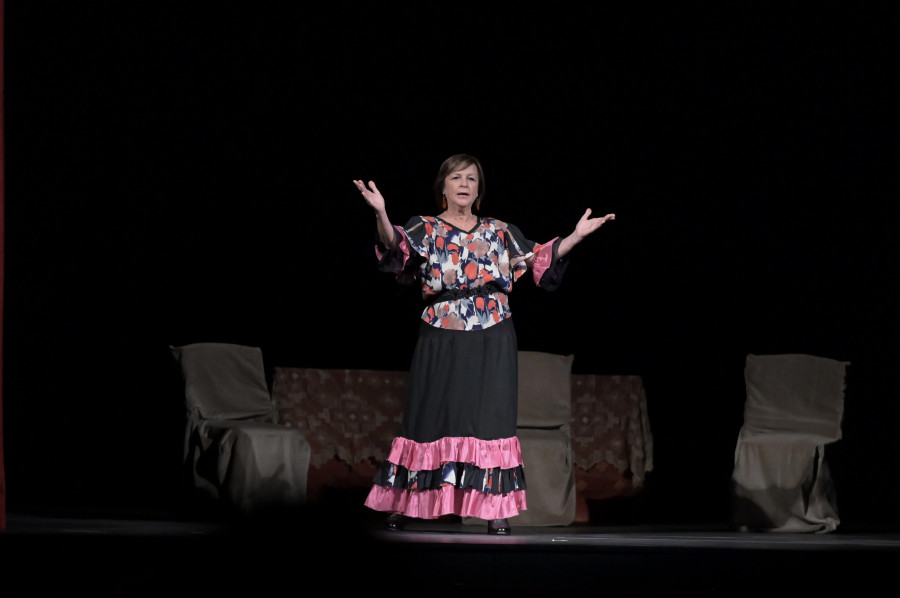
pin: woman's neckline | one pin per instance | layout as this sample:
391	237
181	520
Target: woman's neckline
457	226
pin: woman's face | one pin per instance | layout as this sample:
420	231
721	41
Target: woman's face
461	187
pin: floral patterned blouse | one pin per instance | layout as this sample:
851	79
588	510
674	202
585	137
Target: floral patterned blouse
465	276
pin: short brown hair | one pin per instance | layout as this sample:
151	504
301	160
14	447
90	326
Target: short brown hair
455	163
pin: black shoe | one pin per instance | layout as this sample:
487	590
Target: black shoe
395	522
499	527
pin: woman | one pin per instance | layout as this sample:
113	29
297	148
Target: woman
457	451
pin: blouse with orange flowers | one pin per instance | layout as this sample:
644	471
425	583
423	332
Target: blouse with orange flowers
453	266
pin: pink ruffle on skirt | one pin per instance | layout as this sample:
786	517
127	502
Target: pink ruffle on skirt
505	453
431	504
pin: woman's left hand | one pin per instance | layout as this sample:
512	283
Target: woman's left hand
587	225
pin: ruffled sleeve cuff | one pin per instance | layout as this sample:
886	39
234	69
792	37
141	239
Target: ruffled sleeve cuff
395	259
548	268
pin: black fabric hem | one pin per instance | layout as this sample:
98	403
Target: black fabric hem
465	476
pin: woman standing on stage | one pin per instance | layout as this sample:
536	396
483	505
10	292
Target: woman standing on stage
456	451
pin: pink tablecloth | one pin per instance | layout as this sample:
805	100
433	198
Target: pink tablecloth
610	425
352	416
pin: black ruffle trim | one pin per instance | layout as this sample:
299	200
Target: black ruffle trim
463	476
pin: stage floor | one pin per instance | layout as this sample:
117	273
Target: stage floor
322	553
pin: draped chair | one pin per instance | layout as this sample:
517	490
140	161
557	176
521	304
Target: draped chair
235	451
793	412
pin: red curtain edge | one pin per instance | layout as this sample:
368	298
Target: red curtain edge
2	252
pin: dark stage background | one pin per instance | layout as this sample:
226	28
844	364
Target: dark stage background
181	172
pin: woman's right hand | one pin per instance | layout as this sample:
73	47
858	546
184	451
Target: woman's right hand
372	195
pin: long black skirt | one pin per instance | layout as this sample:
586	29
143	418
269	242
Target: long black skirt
462	384
457	451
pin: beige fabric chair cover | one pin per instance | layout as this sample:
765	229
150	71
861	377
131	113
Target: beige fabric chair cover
545	389
544	429
794	409
234	450
550	476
